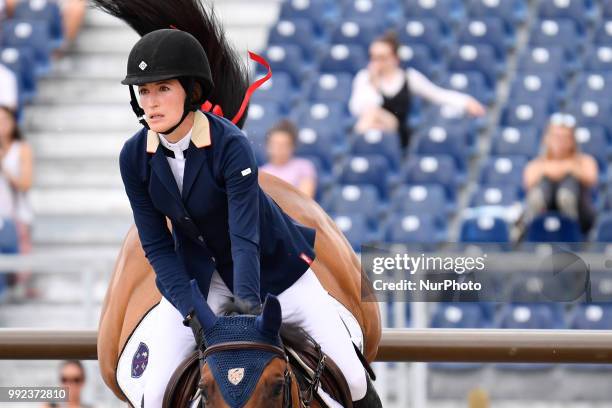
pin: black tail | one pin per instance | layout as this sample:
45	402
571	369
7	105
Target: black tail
229	73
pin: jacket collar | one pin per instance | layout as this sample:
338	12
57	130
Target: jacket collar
200	135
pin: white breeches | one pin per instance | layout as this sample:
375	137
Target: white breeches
305	303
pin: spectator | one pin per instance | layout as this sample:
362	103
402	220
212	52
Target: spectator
381	93
72	376
280	146
561	178
16	168
8	88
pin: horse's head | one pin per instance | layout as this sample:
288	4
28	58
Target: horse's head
244	361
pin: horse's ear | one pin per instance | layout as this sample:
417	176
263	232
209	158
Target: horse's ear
271	317
204	313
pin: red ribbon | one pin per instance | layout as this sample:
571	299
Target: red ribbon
216	109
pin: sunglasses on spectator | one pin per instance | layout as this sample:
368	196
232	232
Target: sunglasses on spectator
563	119
72	380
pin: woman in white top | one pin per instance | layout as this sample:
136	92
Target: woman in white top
16	168
381	93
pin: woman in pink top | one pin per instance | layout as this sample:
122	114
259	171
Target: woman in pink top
280	146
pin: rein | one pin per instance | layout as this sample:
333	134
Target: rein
280	352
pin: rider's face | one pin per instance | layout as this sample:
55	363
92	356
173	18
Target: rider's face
162	102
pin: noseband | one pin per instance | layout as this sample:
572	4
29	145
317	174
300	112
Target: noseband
280	352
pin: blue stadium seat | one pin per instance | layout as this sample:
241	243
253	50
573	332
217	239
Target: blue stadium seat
535	87
495	195
594	142
377	142
424	31
574	10
592	112
484	229
319	143
298	32
44	11
472	83
419	57
476	58
354	199
355	228
529	316
261	117
601	282
598	59
29	33
591	317
603	228
454	121
415	228
529	113
549	33
437	142
606	9
344	58
21	62
323	13
278	89
458	316
511	141
384	12
332	87
370	169
440	170
513	12
9	243
446	11
592	85
553	227
544	60
354	32
603	33
506	170
420	199
488	31
323	116
289	59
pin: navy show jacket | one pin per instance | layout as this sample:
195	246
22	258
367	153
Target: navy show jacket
222	220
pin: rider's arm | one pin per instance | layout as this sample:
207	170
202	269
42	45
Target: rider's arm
239	169
155	237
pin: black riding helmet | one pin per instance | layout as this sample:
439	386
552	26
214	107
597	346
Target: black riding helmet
168	54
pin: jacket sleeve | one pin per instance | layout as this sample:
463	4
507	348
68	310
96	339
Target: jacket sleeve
155	238
239	169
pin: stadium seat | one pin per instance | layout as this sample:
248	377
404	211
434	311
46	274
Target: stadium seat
529	316
354	199
370	169
512	141
458	316
592	112
506	170
606	9
384	12
21	62
377	142
446	11
420	199
298	32
322	13
332	87
360	33
529	113
355	229
261	118
319	143
487	31
421	229
29	33
279	90
553	227
603	228
546	60
592	85
591	317
344	58
601	286
598	59
419	57
573	10
513	12
603	33
484	229
437	142
44	11
472	83
424	31
594	142
549	33
289	59
476	58
432	170
495	195
323	116
8	237
535	87
454	121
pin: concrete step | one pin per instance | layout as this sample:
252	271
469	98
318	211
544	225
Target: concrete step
51	174
106	40
78	146
81	118
68	90
90	66
80	201
52	233
95	18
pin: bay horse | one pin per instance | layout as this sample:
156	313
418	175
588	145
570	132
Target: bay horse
132	293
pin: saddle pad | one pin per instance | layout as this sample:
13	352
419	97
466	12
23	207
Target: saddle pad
132	365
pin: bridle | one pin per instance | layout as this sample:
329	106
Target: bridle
306	400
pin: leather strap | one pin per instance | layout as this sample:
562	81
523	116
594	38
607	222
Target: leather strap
242	345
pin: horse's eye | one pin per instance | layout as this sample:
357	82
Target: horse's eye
278	388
